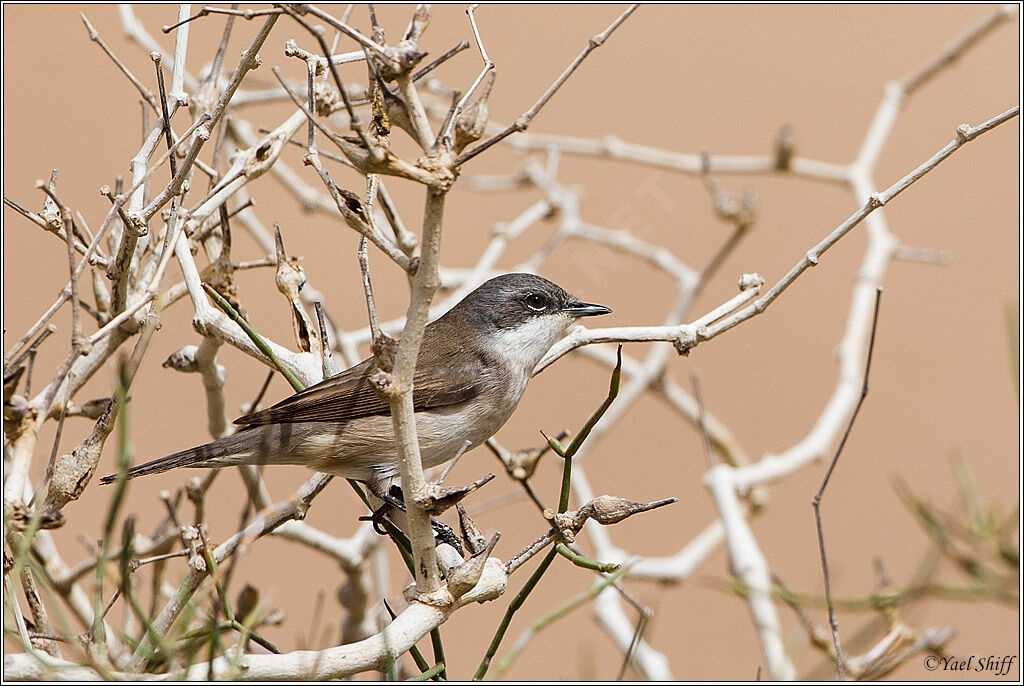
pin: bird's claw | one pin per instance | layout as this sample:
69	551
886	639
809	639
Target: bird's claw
442	532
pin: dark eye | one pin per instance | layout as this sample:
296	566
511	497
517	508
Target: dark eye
536	302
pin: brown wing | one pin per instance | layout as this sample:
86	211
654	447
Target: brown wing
350	394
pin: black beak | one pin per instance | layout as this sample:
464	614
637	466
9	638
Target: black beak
578	309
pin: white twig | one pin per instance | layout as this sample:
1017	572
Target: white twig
487	68
683	335
749	565
177	91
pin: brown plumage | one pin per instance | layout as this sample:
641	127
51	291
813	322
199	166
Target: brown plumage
472	369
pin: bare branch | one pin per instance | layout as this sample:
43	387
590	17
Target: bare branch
523	122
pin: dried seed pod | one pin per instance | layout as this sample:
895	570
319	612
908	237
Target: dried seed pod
464	577
607	509
471	534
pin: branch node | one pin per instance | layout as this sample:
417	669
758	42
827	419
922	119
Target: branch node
751	280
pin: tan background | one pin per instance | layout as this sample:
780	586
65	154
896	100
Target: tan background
685	78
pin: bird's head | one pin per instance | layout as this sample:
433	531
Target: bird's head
520	315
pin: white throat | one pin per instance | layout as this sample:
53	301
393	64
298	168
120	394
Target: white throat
522	347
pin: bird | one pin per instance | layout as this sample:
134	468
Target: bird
473	366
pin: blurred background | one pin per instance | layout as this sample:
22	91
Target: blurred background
725	79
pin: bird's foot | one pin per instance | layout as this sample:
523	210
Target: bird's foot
394	499
445	534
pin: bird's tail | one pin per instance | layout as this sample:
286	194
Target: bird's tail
236	449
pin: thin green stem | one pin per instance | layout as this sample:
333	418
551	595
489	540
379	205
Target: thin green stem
435	641
431	673
249	634
566	489
421	662
151	633
225	603
613	392
253	336
124	450
577	441
390	665
586	562
543	622
516	603
417	656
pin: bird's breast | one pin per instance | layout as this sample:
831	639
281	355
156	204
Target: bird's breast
443	431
